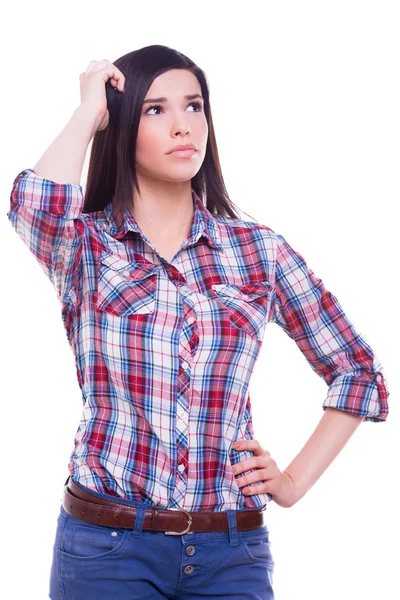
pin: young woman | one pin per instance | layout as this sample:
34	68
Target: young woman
166	293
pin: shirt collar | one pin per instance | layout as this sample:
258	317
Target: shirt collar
204	223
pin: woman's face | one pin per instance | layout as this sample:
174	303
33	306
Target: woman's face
169	121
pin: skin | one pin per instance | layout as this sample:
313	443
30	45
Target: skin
276	482
287	487
165	179
165	182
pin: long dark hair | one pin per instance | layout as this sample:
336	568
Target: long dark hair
112	170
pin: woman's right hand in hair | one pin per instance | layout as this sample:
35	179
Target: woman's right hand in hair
93	89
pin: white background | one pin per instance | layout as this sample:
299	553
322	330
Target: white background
305	101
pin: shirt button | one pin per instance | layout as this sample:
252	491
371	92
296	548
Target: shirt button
181	468
182	414
190	320
185	365
379	377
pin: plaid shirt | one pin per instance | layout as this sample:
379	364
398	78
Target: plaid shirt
165	351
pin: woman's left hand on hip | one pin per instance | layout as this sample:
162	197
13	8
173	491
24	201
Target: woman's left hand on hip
273	481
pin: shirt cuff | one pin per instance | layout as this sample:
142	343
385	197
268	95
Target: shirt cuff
360	396
39	193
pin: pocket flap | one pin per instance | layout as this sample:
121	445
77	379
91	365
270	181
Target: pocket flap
129	270
124	287
244	291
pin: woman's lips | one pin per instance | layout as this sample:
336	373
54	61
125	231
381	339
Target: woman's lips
183	153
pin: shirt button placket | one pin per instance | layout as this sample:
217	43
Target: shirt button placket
183	389
183	400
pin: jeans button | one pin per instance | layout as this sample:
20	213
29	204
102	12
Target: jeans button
189	569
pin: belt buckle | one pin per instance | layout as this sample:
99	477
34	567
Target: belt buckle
189	522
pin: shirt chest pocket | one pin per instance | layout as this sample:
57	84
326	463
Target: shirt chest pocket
246	305
126	288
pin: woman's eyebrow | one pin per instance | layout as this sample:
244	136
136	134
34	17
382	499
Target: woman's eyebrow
163	99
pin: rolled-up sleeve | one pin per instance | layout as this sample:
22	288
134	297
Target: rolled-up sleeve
45	215
312	316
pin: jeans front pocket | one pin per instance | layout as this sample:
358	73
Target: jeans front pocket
55	585
87	541
247	305
126	288
257	546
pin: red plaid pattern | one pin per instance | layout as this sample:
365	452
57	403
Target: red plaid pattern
165	351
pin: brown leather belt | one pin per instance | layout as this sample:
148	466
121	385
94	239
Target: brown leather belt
85	506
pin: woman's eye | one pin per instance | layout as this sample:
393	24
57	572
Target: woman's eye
151	108
197	105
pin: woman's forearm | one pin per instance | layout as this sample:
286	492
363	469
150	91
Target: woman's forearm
63	160
330	436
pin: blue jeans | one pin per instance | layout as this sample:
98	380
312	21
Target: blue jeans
96	562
